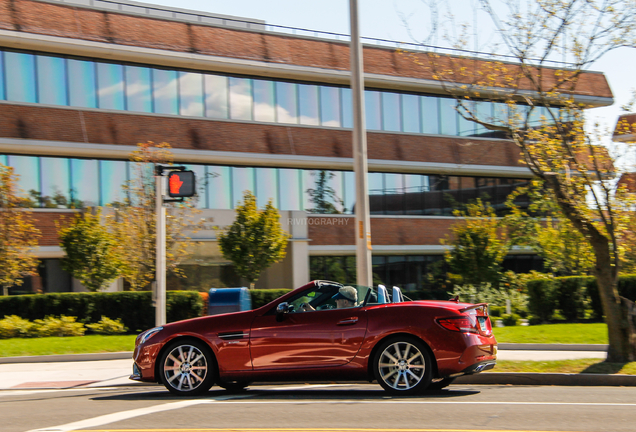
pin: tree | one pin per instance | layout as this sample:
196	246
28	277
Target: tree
323	197
18	235
133	221
478	245
255	240
543	228
92	253
548	125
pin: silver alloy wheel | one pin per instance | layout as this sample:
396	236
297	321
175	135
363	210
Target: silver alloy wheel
185	368
402	366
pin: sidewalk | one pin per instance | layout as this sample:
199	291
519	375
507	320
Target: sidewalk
113	369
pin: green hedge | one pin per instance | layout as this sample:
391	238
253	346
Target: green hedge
571	296
260	297
133	308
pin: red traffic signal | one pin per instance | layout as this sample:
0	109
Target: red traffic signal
181	184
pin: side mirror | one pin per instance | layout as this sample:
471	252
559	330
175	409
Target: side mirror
281	310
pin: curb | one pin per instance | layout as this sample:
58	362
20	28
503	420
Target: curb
552	347
543	379
68	358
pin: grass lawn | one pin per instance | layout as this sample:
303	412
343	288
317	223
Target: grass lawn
65	345
594	366
553	333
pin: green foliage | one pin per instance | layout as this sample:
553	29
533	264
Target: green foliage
494	297
544	228
477	246
107	326
91	251
255	240
60	327
13	326
133	308
323	196
542	298
510	319
263	296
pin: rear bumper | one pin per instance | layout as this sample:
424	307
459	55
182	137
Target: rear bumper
479	367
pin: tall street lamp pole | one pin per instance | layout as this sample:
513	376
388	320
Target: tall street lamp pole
360	166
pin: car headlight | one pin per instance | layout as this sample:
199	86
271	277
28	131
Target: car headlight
148	334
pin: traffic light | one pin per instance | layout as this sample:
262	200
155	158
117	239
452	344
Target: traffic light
181	184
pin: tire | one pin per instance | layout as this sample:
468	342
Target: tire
402	366
187	368
234	386
438	385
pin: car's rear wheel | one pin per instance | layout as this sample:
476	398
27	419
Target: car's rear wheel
402	365
187	368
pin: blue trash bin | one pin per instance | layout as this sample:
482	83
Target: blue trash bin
226	300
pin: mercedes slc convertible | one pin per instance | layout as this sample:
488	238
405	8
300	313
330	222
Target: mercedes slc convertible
322	331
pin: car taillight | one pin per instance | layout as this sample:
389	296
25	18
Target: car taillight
461	324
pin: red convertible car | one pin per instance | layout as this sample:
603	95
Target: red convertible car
322	331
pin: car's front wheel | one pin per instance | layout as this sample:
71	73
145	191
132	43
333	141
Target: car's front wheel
402	365
187	368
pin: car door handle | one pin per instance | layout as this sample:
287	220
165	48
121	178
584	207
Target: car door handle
348	321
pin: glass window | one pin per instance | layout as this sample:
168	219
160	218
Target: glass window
266	186
376	193
219	182
391	114
500	113
466	127
164	91
56	185
190	94
330	106
3	160
216	96
264	104
323	191
413	194
308	104
290	189
411	113
373	112
349	192
347	108
242	180
483	112
51	80
378	264
85	182
28	170
110	86
335	183
286	102
240	99
2	96
448	116
82	83
430	114
138	95
112	177
20	77
394	193
199	200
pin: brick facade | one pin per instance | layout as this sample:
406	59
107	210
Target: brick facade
111	27
45	221
384	231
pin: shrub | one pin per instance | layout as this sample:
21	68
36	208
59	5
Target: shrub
263	296
542	298
62	326
13	326
510	319
496	311
107	326
493	296
571	297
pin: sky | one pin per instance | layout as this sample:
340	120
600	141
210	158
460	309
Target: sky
406	21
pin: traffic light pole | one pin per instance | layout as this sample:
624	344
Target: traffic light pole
160	263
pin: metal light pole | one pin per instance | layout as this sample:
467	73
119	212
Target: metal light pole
363	220
160	263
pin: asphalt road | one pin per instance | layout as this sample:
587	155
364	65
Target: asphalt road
330	407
